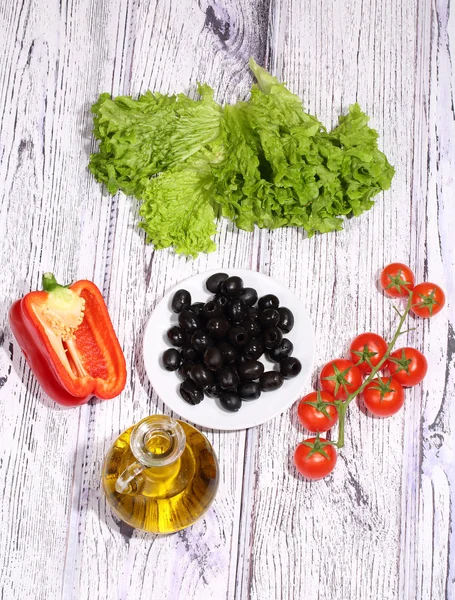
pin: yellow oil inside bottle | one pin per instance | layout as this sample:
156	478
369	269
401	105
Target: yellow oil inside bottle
163	499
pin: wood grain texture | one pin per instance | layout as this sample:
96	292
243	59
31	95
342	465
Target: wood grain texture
382	525
353	518
428	474
203	559
49	221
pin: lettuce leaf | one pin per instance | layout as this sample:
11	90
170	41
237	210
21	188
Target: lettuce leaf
365	170
282	168
140	138
177	207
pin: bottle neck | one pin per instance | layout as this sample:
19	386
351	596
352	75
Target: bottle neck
157	441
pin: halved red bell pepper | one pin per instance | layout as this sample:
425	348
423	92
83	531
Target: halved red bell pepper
67	337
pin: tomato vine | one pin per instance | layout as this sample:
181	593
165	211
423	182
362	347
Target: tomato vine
341	379
343	405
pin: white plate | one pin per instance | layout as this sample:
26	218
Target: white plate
209	413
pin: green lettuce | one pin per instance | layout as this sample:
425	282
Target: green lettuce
141	138
178	210
282	168
265	162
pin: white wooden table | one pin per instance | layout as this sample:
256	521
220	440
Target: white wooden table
381	527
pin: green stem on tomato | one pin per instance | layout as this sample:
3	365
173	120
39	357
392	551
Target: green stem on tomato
342	407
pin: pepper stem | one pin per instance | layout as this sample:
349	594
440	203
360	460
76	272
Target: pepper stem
49	282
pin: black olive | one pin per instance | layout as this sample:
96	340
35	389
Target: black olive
189	321
249	370
230	401
242	359
232	286
228	352
200	340
272	337
171	359
197	307
202	376
213	391
253	313
176	336
213	358
237	336
231	332
185	368
190	392
188	336
253	328
218	328
249	390
236	311
254	349
211	310
290	367
270	381
269	317
248	296
181	301
188	353
286	322
227	377
221	301
214	282
268	301
283	350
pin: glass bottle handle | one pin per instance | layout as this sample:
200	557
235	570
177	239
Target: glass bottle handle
123	483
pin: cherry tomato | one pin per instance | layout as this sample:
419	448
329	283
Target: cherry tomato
427	300
397	280
315	458
383	396
367	349
340	377
315	414
408	366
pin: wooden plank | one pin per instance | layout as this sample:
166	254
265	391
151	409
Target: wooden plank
167	51
320	535
429	474
52	215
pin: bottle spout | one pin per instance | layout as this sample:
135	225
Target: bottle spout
157	441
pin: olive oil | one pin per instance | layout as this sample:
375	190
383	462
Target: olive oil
160	475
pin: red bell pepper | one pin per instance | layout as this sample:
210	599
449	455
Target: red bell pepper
67	337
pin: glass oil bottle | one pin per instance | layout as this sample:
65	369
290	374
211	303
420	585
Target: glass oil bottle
160	475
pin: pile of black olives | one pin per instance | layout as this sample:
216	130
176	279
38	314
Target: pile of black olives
218	344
